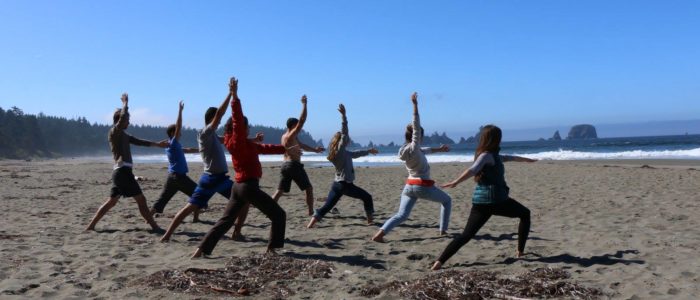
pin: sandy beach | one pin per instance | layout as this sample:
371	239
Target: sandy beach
628	228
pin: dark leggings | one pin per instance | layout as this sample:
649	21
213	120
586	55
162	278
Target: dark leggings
174	183
242	194
481	213
340	188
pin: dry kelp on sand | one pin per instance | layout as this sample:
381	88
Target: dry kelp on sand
537	283
256	274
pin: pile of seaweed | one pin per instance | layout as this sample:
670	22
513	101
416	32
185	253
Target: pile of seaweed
537	283
242	276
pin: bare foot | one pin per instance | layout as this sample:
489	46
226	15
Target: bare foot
90	228
312	222
518	254
164	239
197	253
271	252
379	236
436	266
370	222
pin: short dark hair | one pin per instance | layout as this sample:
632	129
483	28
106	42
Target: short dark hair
209	115
117	115
409	132
171	130
228	127
291	122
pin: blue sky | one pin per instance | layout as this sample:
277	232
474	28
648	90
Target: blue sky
518	64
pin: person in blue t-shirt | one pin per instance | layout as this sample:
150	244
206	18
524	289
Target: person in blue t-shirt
177	168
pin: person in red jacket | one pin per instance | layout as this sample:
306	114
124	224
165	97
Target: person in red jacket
246	188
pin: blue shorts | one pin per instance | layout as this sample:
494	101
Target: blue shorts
209	185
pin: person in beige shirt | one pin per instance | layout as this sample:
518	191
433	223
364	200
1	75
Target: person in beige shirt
123	182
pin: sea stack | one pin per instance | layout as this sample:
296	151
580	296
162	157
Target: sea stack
556	136
582	132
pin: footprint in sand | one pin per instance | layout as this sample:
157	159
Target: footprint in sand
417	256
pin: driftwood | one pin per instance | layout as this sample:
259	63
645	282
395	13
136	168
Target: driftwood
538	283
242	276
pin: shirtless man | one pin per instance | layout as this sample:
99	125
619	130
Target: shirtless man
292	168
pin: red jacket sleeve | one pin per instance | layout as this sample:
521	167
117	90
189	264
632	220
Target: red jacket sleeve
270	149
228	142
239	132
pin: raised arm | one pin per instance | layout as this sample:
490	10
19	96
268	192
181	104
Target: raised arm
302	119
178	124
123	119
238	121
416	137
344	137
220	112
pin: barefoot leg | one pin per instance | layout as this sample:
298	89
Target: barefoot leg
181	215
102	211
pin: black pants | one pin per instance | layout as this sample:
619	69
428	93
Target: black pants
174	183
481	213
248	192
340	188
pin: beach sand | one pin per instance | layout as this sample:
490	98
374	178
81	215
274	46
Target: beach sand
628	228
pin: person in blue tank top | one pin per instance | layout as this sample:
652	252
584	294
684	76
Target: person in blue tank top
491	194
177	168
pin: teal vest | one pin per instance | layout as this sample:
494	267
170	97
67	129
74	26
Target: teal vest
492	187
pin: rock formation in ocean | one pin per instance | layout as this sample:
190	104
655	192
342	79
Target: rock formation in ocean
581	132
556	136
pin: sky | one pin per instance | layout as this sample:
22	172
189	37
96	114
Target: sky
516	64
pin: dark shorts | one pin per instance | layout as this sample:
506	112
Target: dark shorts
293	170
124	184
174	183
208	186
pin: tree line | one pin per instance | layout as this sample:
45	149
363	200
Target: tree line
25	136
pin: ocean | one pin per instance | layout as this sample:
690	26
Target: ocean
653	147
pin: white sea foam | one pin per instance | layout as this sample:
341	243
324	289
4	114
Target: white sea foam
465	157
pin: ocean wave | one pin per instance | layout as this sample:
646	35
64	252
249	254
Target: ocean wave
467	157
630	154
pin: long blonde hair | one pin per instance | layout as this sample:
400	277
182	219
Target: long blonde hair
333	146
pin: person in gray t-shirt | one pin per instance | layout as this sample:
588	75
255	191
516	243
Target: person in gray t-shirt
344	174
212	150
